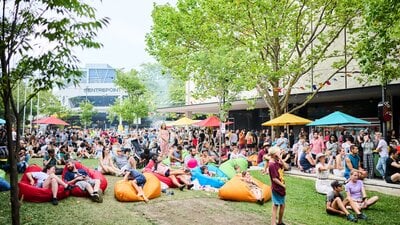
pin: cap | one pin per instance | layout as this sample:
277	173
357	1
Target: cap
335	184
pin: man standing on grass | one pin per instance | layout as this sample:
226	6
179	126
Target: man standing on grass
276	167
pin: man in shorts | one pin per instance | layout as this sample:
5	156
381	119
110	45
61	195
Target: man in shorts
80	178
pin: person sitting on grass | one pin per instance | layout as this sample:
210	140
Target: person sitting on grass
164	170
322	184
50	159
124	161
356	191
393	167
336	203
137	180
48	179
353	163
106	165
252	185
80	178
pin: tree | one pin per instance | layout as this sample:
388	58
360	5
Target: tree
38	36
378	50
176	92
50	105
244	45
87	112
136	104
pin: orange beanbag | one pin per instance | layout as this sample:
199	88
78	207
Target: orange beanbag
124	191
238	190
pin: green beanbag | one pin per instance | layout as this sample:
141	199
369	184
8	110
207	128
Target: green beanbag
228	167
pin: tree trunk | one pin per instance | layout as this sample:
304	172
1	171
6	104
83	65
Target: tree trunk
12	158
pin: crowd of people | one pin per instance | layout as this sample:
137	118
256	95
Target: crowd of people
345	154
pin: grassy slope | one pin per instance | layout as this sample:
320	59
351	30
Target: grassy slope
304	206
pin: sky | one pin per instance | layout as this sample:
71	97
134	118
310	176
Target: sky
124	37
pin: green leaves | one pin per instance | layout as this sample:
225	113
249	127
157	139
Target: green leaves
226	47
378	47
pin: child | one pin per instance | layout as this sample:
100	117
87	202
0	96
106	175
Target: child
137	180
252	185
276	166
204	170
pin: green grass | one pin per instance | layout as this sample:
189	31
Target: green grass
304	206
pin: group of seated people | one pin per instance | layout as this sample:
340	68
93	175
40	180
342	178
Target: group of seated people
342	164
356	199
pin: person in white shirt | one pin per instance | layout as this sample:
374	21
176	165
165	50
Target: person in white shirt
48	179
382	148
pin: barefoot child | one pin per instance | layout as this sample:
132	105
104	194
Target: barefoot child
137	180
252	185
276	167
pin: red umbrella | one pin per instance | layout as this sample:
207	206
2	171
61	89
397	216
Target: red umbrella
212	121
51	120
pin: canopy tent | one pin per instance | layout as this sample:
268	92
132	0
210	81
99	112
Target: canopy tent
338	118
212	121
184	121
51	120
287	119
2	121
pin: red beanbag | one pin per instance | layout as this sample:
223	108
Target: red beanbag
164	179
31	193
94	174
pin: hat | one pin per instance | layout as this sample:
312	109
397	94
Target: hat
335	184
274	150
267	143
319	155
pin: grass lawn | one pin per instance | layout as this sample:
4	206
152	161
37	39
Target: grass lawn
304	206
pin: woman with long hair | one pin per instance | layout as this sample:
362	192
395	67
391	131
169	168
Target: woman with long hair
163	136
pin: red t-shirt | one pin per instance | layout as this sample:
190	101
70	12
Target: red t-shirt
276	171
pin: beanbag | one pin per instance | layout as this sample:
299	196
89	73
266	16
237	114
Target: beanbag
94	174
124	191
237	190
164	179
32	193
253	159
217	181
2	174
228	167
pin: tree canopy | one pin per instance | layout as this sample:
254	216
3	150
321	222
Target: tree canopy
378	49
228	46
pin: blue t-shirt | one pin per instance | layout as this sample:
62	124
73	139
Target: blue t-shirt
355	161
71	175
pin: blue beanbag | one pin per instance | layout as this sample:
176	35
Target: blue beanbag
216	181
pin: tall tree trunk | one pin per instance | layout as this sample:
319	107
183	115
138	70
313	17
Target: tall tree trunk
12	158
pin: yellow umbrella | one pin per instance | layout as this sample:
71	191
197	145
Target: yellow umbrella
184	121
287	119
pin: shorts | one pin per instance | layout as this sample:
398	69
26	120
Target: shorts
140	180
83	183
277	199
